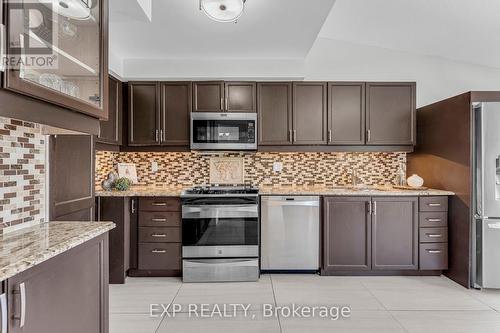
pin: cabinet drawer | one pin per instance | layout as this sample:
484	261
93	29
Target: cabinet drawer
434	204
159	219
159	235
160	256
433	235
433	219
160	204
434	256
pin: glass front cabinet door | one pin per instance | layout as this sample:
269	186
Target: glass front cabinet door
57	51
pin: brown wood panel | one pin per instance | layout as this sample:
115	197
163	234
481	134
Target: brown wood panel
347	234
159	219
346	113
332	148
160	204
434	204
309	113
274	107
67	293
395	233
433	235
159	235
240	97
433	219
390	113
111	129
445	163
71	167
175	113
434	256
208	96
159	256
117	210
144	114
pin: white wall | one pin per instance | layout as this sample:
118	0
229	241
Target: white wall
436	78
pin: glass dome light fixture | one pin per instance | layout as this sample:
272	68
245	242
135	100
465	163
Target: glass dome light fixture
225	11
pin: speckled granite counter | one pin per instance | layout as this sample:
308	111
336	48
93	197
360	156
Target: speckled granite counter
25	248
348	191
282	190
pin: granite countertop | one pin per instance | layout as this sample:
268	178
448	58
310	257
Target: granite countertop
378	190
30	246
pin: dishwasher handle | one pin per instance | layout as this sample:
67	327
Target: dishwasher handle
311	203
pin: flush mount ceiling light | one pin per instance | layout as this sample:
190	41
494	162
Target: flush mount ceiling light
223	10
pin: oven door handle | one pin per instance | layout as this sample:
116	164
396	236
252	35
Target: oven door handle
220	262
220	211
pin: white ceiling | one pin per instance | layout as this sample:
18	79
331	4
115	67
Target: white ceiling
461	30
269	29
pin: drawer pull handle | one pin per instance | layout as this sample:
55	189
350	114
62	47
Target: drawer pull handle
158	251
434	235
433	220
158	235
434	251
159	204
159	220
434	204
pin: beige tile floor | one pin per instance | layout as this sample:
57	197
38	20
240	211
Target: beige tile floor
378	304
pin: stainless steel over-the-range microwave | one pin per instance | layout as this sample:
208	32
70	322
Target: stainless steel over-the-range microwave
223	131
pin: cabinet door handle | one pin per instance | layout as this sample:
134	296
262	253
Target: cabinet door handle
434	204
156	136
330	135
433	220
222	104
159	204
290	136
434	235
368	135
132	208
226	105
22	295
158	235
374	208
3	304
369	208
162	135
294	136
158	220
434	251
158	251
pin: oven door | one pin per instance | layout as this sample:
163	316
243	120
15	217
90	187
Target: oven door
223	131
220	231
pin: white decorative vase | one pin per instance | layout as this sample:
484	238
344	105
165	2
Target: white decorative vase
415	181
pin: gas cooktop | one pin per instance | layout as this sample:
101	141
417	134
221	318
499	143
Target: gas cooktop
220	190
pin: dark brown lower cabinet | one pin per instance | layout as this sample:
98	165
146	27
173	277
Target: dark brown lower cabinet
370	235
395	233
68	293
347	233
117	210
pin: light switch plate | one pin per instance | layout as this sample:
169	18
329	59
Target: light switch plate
154	166
277	166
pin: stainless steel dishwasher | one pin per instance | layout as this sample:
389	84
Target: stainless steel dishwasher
290	233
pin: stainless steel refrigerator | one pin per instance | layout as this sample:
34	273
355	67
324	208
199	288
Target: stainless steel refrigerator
486	195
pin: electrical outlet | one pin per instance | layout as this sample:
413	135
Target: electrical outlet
154	166
277	166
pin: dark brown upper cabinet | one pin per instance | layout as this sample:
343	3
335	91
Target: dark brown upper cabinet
159	113
395	233
175	113
111	129
347	234
309	113
78	77
208	96
346	113
144	114
390	113
274	108
240	97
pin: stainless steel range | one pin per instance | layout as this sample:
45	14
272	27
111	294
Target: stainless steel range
220	234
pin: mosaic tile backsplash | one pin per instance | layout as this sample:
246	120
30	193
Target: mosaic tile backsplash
22	173
301	169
